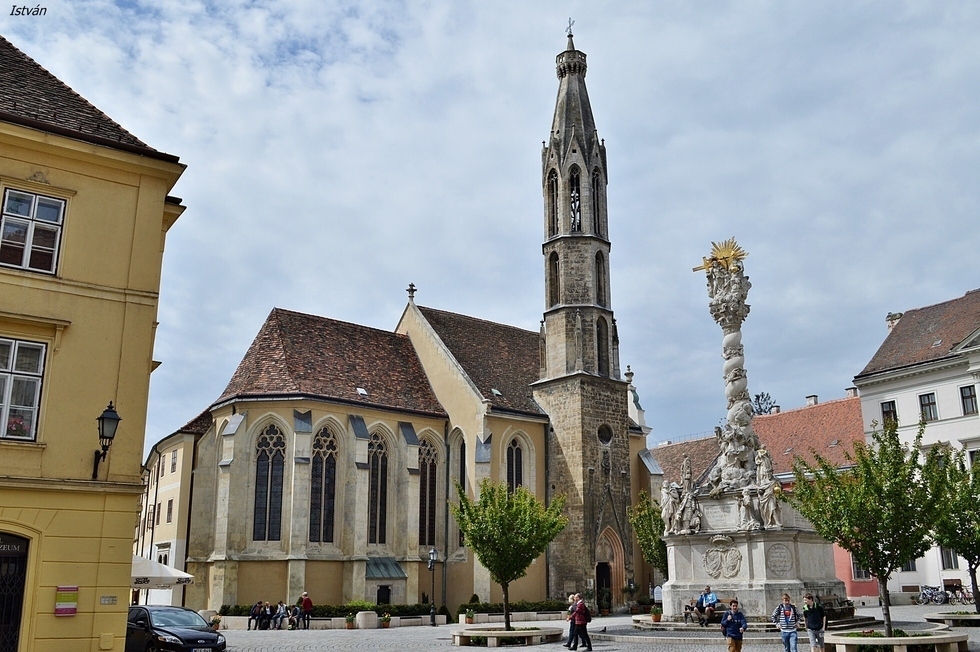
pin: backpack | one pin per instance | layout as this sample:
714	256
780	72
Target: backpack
588	614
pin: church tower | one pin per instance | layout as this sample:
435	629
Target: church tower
580	386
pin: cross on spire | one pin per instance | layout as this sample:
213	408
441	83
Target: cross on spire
411	291
568	30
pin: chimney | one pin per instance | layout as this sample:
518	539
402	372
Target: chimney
892	318
851	392
775	409
811	400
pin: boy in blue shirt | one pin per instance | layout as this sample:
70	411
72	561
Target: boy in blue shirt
734	624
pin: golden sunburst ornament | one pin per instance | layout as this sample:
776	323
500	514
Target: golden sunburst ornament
726	253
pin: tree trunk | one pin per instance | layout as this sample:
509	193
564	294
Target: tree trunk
505	588
973	587
886	611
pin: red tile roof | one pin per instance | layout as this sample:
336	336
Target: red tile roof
295	354
199	424
926	334
33	97
828	429
494	356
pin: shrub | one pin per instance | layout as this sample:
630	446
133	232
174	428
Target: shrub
521	605
474	599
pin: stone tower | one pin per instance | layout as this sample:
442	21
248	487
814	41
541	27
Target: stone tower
580	386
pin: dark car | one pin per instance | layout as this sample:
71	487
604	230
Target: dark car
153	628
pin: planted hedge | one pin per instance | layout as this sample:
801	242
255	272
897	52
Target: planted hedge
341	610
520	605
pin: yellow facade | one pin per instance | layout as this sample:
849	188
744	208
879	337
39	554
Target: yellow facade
94	318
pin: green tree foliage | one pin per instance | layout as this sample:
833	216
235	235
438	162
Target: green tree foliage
958	526
882	508
507	530
646	522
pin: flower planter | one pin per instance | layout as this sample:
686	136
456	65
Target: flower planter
385	624
656	617
469	621
350	625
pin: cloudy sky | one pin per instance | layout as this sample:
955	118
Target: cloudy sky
337	151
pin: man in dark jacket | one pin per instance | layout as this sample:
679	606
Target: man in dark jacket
734	624
816	622
581	617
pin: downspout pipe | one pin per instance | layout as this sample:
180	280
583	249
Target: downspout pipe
445	533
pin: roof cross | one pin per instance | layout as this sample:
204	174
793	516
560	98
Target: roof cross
570	23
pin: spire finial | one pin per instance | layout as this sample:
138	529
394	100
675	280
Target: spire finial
571	22
411	291
568	30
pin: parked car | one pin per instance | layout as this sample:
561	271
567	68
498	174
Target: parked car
158	629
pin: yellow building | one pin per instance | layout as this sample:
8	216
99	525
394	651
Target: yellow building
85	212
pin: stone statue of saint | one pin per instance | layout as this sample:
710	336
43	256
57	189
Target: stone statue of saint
668	506
746	513
687	477
763	467
769	504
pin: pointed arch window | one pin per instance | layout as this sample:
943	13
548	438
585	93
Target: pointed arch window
270	456
378	490
575	199
600	279
553	280
428	459
515	465
602	345
596	202
323	486
552	203
461	477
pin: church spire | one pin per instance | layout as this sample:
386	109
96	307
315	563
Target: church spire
573	126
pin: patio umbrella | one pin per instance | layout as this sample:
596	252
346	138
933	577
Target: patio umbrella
148	574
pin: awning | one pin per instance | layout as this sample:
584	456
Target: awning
384	568
148	574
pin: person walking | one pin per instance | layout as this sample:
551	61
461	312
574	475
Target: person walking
571	621
307	606
734	625
816	622
788	619
581	618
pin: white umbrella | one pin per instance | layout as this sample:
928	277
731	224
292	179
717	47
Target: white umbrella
148	574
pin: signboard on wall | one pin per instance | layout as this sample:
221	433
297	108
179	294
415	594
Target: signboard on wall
66	601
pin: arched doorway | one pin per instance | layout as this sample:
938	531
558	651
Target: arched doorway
13	575
610	566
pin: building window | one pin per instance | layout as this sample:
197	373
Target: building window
909	566
553	281
31	230
150	517
968	396
378	490
21	368
859	573
600	279
575	200
270	457
173	462
427	493
596	201
161	466
552	203
462	473
950	560
159	511
323	486
927	406
888	412
602	345
515	465
974	454
170	510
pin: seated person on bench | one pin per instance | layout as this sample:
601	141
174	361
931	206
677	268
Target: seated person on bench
705	606
689	611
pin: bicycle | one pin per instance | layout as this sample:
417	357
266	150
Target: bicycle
931	594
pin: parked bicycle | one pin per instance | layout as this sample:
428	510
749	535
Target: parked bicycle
931	594
959	595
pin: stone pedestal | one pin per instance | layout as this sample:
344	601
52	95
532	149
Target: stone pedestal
754	566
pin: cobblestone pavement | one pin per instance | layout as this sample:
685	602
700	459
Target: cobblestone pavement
439	638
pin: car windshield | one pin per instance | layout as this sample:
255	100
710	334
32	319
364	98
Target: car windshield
177	618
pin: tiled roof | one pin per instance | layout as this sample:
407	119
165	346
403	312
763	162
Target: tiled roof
199	424
295	354
829	429
927	334
32	96
494	356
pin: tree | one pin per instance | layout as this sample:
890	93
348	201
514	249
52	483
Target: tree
882	509
958	526
649	526
762	403
507	530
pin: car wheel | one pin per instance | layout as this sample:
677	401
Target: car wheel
150	647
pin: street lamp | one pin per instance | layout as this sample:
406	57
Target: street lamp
433	558
108	422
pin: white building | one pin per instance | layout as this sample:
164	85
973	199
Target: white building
928	366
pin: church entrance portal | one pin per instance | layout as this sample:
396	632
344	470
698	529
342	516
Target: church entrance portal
13	573
603	582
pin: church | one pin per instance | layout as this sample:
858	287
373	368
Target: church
334	450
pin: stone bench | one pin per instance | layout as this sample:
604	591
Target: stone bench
495	635
836	608
944	641
952	620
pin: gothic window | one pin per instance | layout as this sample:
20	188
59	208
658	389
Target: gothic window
270	456
552	203
602	345
427	493
515	465
575	200
596	202
605	434
600	279
378	490
323	486
553	280
461	478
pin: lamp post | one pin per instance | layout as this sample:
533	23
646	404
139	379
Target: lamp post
433	558
108	422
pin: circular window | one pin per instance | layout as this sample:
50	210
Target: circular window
605	434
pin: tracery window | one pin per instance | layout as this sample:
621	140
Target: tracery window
515	465
602	345
378	490
552	203
575	199
553	280
596	201
270	457
428	457
600	279
323	486
461	477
